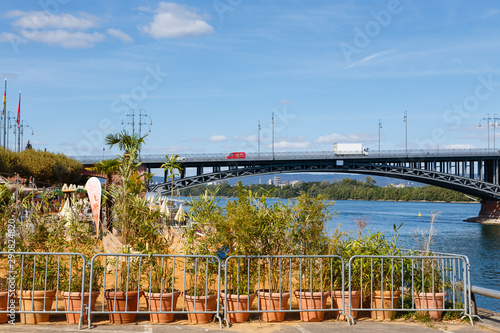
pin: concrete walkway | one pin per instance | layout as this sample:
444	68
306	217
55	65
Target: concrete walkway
491	323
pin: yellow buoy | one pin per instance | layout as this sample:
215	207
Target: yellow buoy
419	215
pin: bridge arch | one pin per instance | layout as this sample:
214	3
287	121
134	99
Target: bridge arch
478	188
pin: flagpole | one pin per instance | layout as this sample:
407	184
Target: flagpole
19	123
4	113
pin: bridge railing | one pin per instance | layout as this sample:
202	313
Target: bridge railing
266	156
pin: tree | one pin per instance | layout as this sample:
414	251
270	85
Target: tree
123	195
172	166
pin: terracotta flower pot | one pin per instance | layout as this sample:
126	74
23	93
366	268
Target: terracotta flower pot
237	303
164	302
387	300
355	300
430	301
3	306
271	301
200	318
121	301
75	301
35	299
314	300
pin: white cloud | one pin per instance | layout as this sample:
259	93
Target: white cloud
8	37
173	21
459	146
250	138
64	38
370	57
118	34
349	137
285	101
43	20
291	145
218	138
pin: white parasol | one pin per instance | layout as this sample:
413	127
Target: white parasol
180	217
164	208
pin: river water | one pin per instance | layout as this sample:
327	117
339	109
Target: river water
481	243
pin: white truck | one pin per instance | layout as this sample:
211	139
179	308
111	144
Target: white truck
348	149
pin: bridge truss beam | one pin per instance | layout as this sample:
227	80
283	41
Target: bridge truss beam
479	188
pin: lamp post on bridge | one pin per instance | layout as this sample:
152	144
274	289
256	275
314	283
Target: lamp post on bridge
258	138
272	123
495	119
405	120
379	127
487	120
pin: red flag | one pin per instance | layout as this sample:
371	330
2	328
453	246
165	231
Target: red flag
4	95
19	110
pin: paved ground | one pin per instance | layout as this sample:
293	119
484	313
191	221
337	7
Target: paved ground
491	323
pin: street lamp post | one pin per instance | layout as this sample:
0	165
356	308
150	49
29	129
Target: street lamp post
272	122
141	116
9	117
495	119
487	120
405	120
379	127
258	138
21	129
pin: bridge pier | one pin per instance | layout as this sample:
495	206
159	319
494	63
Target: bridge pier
489	213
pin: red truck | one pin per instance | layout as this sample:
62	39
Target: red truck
236	155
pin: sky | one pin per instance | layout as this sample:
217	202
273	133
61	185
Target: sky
207	72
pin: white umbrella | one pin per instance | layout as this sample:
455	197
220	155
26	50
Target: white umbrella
66	212
164	208
179	217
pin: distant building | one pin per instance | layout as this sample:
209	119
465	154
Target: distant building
397	185
294	182
277	180
270	182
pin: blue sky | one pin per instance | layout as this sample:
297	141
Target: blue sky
207	72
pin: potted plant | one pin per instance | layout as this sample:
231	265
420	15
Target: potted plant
385	274
161	295
430	283
201	294
346	294
309	235
4	297
38	277
123	300
83	241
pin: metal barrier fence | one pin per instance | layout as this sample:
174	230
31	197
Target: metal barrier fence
43	283
271	279
411	283
161	279
152	284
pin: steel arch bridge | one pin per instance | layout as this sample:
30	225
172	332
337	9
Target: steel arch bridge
468	172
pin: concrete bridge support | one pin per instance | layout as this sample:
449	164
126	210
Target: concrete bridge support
489	213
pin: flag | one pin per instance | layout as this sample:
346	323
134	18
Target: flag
93	187
18	109
4	95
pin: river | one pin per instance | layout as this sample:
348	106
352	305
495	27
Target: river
481	243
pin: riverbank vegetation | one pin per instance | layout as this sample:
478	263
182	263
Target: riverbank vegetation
344	189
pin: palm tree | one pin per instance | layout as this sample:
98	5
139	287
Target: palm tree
107	168
125	141
172	165
131	182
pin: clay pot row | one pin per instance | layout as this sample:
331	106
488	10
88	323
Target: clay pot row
277	301
166	302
